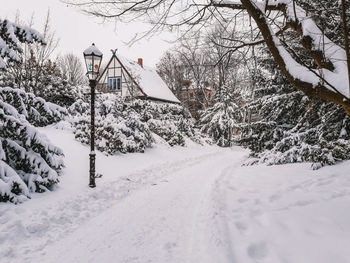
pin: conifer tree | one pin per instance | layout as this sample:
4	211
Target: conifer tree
220	119
28	161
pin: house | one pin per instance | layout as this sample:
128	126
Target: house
196	99
131	79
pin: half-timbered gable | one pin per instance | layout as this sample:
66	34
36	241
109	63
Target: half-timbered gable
131	79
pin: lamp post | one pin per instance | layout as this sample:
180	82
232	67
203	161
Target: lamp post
93	58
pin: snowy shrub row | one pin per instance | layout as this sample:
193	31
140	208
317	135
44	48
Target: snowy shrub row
305	146
115	134
127	126
28	162
171	122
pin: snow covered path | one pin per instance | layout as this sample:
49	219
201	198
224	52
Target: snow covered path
145	207
155	224
193	204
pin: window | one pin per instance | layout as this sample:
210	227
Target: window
115	83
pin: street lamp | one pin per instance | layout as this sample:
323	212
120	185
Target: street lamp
93	58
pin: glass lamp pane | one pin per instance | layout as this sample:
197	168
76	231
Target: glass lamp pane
97	62
88	63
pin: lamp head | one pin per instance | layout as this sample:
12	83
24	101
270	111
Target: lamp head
93	59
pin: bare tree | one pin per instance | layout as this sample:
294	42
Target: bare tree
72	69
202	65
43	53
224	61
171	69
325	82
196	65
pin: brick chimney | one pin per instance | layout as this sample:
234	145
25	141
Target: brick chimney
140	61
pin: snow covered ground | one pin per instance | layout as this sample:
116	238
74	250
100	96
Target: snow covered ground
194	204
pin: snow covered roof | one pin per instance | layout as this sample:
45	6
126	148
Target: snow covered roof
148	80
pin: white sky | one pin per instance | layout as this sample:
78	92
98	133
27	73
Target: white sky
77	31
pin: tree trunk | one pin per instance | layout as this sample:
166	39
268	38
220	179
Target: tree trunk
346	37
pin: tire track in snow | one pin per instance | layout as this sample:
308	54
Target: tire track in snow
235	209
211	241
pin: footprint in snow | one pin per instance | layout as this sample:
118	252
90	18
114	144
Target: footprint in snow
241	226
274	197
257	251
169	247
242	200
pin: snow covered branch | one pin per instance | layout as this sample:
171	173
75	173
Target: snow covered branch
11	37
330	81
28	161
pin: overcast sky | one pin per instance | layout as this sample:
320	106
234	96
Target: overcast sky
77	31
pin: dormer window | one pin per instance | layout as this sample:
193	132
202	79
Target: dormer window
114	83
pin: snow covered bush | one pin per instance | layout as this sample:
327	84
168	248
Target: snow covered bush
115	133
117	127
127	126
171	122
167	131
28	161
321	136
221	118
79	108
